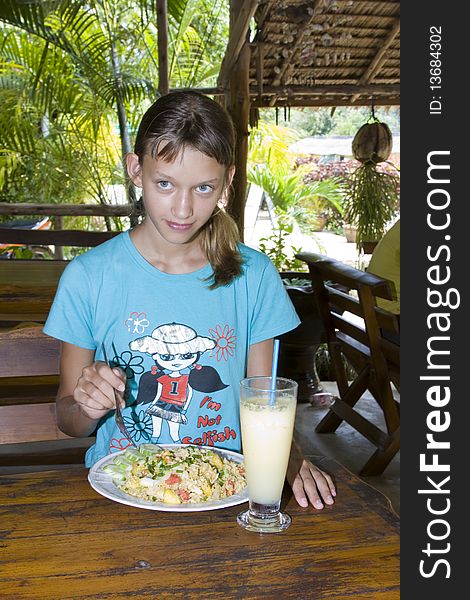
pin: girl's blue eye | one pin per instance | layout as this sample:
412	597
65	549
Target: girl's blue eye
164	185
204	188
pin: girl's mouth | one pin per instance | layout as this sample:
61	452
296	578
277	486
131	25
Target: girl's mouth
179	226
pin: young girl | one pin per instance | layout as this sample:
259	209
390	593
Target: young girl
182	308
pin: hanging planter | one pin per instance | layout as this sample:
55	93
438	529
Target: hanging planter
372	143
372	198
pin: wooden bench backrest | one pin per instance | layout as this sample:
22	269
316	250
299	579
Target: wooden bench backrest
58	237
27	289
327	274
66	237
29	377
27	351
29	360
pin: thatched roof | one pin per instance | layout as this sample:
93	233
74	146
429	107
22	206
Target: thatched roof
319	52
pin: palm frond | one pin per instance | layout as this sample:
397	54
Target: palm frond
270	143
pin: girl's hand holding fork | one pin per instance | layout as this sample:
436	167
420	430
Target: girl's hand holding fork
95	389
86	392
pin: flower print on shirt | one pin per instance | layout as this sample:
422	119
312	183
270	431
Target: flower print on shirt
137	322
117	445
139	425
129	363
225	342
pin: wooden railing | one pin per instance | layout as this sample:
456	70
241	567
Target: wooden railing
59	237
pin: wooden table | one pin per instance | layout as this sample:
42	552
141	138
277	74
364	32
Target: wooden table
27	288
60	539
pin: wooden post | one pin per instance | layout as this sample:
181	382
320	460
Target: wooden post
238	106
162	26
234	80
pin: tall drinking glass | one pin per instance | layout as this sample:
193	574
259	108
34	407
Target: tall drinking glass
267	423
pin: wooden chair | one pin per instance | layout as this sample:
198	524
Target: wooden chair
29	377
375	359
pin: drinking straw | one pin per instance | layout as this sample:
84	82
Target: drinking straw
274	371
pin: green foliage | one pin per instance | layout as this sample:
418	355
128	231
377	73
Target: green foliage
310	122
269	144
198	35
305	121
16	252
282	185
271	167
274	246
300	201
320	121
297	200
371	202
59	104
75	78
348	120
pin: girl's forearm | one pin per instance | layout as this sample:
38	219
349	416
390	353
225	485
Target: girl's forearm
71	420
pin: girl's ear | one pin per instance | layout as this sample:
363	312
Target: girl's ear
227	183
230	174
134	169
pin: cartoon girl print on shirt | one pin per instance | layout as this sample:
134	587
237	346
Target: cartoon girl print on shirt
165	388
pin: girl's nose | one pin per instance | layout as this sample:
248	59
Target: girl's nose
183	206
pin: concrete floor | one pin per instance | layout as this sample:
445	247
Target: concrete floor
346	445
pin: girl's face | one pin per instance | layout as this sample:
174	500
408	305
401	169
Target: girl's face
179	196
175	362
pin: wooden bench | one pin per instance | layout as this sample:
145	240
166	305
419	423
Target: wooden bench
27	289
29	378
375	359
59	237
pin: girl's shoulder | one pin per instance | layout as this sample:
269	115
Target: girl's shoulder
253	258
102	256
95	265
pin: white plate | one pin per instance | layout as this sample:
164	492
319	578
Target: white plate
102	483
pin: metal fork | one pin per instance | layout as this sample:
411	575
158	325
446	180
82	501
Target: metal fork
117	413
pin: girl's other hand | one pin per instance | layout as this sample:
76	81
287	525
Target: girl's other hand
313	485
94	392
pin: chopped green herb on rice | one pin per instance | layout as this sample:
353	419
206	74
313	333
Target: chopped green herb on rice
182	475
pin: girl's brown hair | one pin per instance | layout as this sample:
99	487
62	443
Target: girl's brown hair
181	119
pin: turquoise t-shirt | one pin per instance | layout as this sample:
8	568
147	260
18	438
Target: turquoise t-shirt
183	346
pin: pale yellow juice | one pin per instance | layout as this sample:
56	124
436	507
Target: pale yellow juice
266	439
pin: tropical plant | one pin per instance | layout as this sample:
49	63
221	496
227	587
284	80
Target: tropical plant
63	93
47	148
301	202
75	77
272	167
269	144
372	196
198	33
275	246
